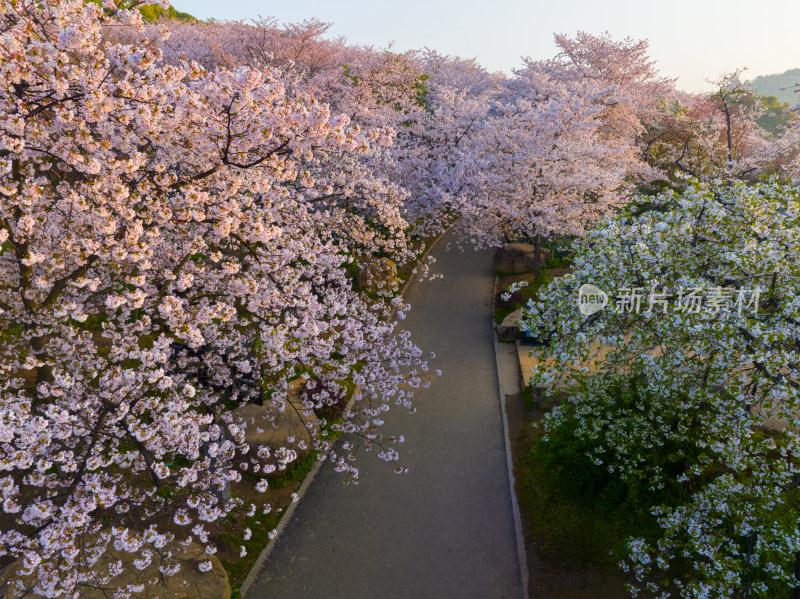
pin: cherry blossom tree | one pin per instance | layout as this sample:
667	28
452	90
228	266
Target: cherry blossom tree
712	135
739	116
174	242
432	157
685	137
557	148
440	108
373	87
623	65
688	379
779	154
545	163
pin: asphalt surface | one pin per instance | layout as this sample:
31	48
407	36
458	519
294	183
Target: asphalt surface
445	529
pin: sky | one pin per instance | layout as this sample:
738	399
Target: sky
691	40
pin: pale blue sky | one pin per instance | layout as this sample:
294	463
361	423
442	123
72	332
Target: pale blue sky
693	40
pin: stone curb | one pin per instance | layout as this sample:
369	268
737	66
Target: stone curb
304	486
521	553
262	557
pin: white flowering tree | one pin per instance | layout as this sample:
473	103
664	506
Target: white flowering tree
688	380
174	244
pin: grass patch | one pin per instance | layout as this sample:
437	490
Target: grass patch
296	474
527	398
351	268
558	259
260	525
10	331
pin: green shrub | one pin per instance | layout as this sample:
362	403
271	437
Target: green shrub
578	510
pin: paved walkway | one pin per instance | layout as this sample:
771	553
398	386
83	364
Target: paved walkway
445	529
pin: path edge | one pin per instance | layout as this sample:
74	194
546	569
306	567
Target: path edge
522	555
304	486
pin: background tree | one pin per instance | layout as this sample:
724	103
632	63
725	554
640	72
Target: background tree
775	117
710	135
781	85
559	148
739	107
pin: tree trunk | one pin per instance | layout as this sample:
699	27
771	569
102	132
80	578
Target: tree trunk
537	253
44	374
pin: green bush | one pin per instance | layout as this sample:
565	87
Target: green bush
578	510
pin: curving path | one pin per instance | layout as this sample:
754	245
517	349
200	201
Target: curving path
445	529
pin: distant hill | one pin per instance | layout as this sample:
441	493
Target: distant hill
779	85
153	13
774	120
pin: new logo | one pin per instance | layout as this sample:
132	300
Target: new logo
591	299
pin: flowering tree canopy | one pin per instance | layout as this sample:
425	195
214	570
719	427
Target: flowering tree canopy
557	149
695	382
174	243
711	135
